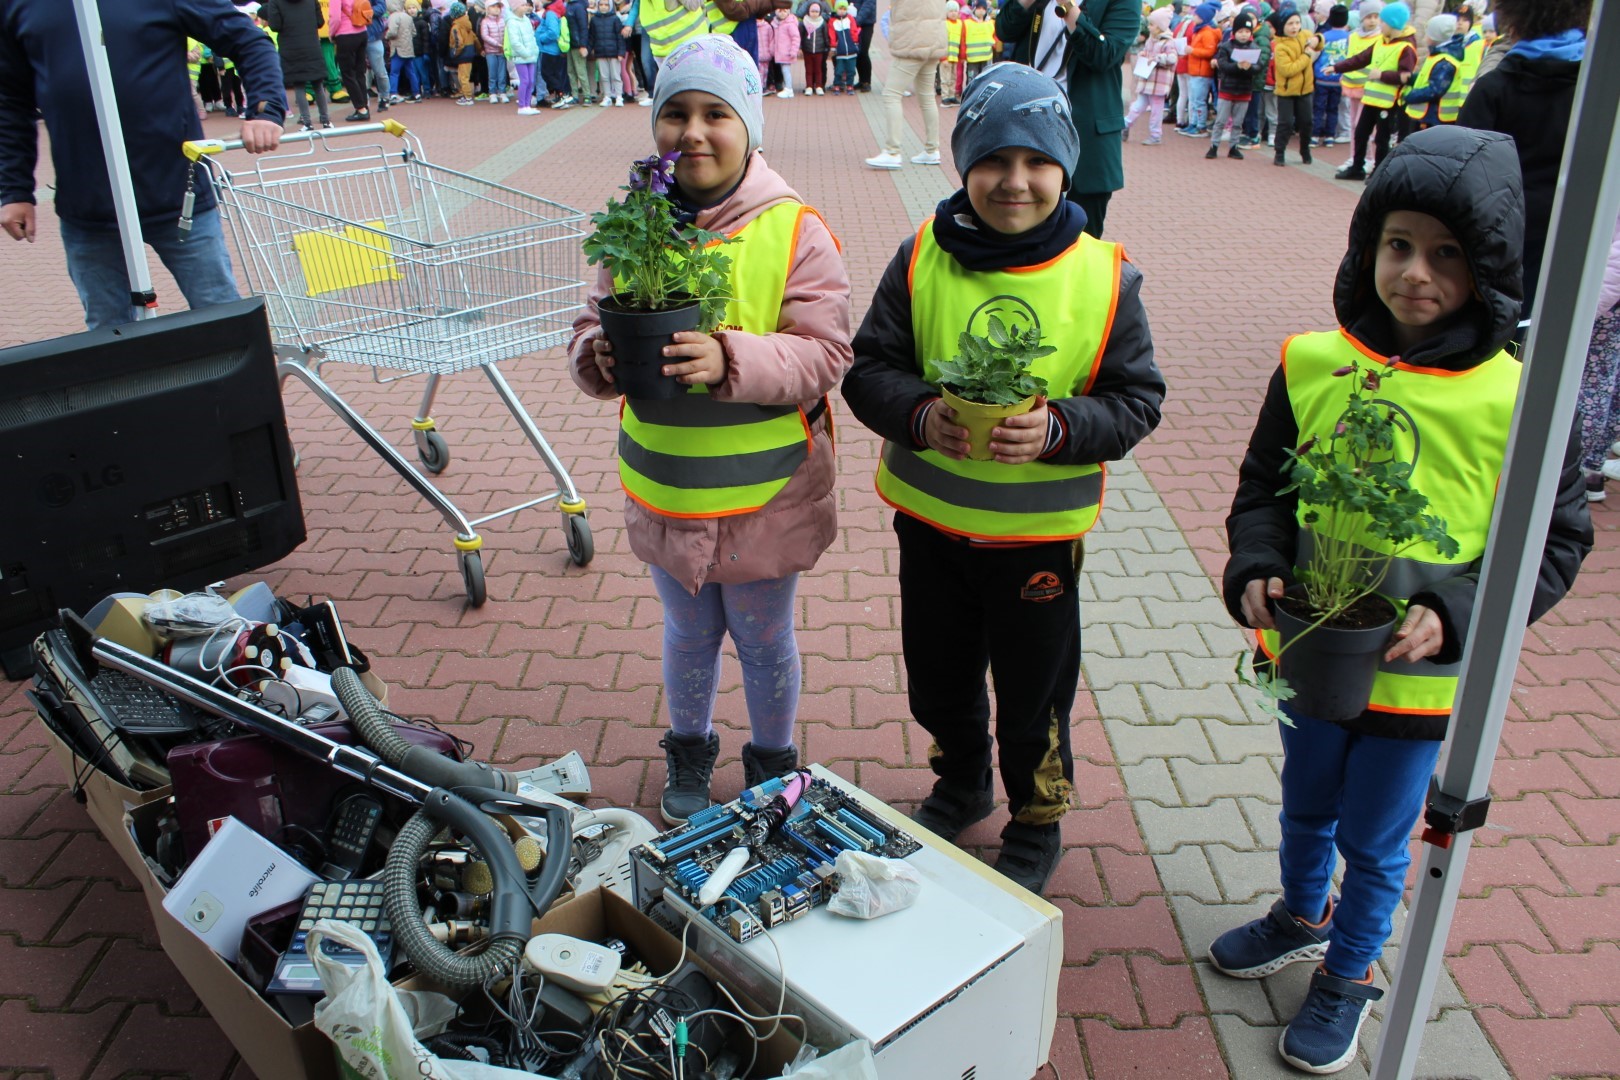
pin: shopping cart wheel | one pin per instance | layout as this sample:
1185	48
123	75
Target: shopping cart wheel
472	576
434	451
581	548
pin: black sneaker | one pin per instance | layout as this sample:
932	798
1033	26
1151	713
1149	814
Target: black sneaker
762	765
950	808
1322	1038
1029	854
1234	152
1594	487
1270	943
689	760
1351	172
1214	152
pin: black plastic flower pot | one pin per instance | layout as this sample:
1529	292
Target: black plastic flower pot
638	339
1331	668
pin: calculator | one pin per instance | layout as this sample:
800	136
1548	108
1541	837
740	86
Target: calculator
359	903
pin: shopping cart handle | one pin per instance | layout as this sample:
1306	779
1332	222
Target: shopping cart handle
194	149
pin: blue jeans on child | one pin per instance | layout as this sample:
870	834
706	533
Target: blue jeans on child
759	617
406	66
498	83
1360	794
199	264
1326	108
843	71
1199	87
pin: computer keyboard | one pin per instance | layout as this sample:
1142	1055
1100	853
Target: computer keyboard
137	708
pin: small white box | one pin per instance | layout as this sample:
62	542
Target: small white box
239	874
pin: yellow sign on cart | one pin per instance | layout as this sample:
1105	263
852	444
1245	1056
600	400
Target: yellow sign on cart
344	260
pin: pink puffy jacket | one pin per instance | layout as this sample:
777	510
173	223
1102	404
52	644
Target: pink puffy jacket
783	46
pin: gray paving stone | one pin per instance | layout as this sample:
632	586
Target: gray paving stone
1200	609
1236	740
1186	872
1164	828
1200	783
1153	637
1122	703
1170	540
1105	561
1454	1047
1212	703
1134	742
1252	1052
1245	998
1201	922
1123	612
1150	779
1262	818
1199	671
1097	639
1166	564
1244	876
1138	583
1103	672
1107	537
1120	521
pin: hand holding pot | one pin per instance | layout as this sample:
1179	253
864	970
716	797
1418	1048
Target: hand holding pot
1020	439
1256	605
941	432
700	358
1420	636
602	353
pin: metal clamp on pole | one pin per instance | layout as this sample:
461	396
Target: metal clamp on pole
1446	815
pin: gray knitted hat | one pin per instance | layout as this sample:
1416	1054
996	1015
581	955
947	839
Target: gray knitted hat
716	65
1014	105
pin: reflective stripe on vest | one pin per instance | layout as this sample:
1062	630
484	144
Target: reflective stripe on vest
718	23
1473	56
1358	44
194	66
1072	299
1456	463
673	29
697	457
1386	57
1450	101
980	41
955	40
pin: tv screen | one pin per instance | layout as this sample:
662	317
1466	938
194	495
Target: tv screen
152	455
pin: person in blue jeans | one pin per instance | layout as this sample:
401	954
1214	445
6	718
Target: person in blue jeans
1429	289
42	67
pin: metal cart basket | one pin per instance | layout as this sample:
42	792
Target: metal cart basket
370	254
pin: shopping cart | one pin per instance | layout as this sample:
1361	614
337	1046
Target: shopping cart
369	254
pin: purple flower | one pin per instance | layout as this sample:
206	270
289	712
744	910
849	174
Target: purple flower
1341	372
656	174
1372	381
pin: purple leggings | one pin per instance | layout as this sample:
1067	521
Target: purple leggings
759	616
525	76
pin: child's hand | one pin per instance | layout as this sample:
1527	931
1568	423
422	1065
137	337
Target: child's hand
602	353
702	358
1256	612
1419	637
1020	439
941	433
1245	65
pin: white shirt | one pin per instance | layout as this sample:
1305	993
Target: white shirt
1050	42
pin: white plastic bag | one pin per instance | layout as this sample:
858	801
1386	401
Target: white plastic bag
853	1061
375	1026
869	886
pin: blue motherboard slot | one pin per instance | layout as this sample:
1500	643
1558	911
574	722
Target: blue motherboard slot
849	818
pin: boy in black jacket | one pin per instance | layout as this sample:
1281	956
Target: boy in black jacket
1234	84
1430	287
988	549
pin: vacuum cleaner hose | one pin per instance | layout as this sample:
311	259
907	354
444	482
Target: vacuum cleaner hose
372	725
435	959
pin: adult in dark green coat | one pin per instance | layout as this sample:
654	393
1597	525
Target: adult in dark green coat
1098	34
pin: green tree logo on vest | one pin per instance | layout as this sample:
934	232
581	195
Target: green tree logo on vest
1013	311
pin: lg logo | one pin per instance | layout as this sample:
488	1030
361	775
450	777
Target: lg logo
57	489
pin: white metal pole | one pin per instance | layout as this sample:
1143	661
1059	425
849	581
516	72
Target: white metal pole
94	41
1583	222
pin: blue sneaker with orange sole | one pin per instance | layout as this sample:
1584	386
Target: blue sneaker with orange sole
1269	944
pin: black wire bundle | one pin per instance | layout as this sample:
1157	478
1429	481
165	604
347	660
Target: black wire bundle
641	1051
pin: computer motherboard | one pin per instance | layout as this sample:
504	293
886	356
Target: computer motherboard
790	867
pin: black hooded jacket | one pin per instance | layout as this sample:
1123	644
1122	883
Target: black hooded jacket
1470	181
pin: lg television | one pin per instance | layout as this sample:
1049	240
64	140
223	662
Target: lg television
152	455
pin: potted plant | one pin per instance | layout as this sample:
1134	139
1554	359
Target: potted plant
990	379
668	276
1334	623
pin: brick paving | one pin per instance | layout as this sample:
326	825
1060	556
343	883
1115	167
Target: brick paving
1173	835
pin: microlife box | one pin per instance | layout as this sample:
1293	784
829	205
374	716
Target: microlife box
239	874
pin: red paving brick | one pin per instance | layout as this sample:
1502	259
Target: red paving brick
564	658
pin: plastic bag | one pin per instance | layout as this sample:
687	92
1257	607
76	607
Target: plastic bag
375	1026
869	886
853	1061
191	615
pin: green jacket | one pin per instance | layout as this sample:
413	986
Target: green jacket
1262	39
1103	32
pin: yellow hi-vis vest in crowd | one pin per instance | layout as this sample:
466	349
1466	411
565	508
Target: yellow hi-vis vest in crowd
194	67
1450	101
697	457
981	38
668	25
1378	94
956	33
1359	43
1452	426
718	23
1473	56
1072	299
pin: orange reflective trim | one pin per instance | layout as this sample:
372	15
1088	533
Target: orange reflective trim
916	250
837	243
1283	357
1408	712
1043	265
1108	326
1362	349
1402	365
909	512
687	517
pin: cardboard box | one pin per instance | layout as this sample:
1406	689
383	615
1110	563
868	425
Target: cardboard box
108	804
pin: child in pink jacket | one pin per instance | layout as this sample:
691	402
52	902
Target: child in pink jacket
1158	59
782	47
733	570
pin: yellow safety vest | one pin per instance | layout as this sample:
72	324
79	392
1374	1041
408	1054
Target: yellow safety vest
955	44
668	25
1453	429
194	67
718	23
698	457
1072	299
1378	94
1450	101
981	37
1358	45
1473	56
